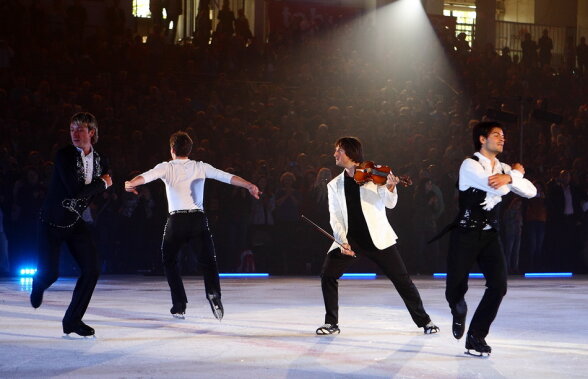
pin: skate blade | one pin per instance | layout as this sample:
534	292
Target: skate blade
179	316
477	354
218	314
73	336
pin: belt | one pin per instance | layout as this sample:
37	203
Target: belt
186	211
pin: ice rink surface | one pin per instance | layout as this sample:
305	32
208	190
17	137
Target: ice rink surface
268	331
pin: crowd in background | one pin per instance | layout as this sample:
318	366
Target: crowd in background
270	112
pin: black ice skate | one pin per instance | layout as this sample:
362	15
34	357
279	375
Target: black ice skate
431	328
36	297
178	310
458	326
81	329
216	305
478	345
328	329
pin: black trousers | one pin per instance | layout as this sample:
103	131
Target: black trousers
466	248
391	264
83	250
190	228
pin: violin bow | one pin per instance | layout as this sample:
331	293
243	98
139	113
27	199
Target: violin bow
321	230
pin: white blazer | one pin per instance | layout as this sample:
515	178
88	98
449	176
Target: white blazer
374	201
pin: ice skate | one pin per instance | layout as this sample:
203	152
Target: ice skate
458	326
36	297
217	306
81	329
178	310
430	328
328	329
477	346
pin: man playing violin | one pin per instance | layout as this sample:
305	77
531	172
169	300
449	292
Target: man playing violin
359	223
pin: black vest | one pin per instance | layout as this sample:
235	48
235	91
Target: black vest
471	215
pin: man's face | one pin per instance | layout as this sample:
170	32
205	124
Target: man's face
81	136
341	158
494	143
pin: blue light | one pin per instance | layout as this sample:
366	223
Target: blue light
476	275
548	275
28	271
26	284
359	275
243	275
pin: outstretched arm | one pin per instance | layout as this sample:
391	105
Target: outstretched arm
240	182
131	185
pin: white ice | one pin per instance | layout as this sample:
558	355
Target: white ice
268	331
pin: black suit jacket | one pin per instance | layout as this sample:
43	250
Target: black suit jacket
68	195
555	201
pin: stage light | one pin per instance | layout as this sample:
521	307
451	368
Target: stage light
244	275
475	275
548	275
359	275
28	271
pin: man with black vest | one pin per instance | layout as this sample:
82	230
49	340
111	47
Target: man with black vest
483	180
79	174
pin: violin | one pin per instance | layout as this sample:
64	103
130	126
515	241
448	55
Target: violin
368	171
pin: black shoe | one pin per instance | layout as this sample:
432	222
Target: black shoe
478	344
80	329
328	329
431	328
178	310
217	306
458	326
36	297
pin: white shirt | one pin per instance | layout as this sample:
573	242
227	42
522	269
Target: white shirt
475	174
88	161
184	182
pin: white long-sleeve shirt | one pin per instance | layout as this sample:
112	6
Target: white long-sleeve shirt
184	182
475	174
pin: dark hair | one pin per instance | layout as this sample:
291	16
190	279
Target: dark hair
352	147
483	129
181	143
86	119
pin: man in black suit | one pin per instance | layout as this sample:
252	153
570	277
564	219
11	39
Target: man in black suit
564	212
79	173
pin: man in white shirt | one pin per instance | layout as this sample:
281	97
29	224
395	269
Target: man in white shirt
187	222
483	180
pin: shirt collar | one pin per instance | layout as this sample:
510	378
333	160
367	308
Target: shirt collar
82	151
484	159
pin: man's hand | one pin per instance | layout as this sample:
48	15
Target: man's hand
346	250
498	180
391	181
254	191
130	188
519	167
107	179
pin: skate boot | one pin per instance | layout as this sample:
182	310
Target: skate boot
178	310
328	329
36	297
81	329
458	326
216	305
431	328
478	345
